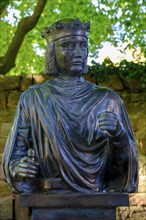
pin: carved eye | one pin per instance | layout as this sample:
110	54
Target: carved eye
68	46
83	45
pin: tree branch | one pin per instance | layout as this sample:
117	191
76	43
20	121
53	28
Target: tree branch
25	25
3	7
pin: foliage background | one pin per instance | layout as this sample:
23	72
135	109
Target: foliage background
112	21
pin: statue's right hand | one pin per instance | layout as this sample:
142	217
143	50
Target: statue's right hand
26	169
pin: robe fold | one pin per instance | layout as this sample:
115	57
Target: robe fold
59	120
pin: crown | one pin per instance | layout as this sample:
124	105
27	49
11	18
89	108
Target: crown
64	28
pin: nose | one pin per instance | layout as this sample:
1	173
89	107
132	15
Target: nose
77	51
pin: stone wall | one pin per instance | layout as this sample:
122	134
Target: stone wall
135	101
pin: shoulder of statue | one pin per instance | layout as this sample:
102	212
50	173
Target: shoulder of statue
32	89
104	89
35	91
109	93
25	96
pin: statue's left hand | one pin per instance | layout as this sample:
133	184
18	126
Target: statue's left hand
109	122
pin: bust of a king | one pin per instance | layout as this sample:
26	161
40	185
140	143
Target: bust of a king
79	134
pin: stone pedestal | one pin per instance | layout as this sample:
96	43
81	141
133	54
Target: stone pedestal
60	205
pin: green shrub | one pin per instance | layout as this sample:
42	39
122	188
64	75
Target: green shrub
127	71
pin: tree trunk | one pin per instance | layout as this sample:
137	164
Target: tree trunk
25	25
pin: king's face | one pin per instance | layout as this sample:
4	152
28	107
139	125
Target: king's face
71	55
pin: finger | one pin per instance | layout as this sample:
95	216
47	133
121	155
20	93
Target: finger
27	173
106	113
28	176
28	159
107	118
29	165
108	122
24	170
27	169
108	125
107	128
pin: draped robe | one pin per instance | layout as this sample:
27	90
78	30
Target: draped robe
59	120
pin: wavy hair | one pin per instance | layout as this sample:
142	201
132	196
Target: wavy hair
51	65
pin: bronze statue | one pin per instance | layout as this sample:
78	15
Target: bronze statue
69	133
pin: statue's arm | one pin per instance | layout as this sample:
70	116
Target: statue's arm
115	122
16	163
124	157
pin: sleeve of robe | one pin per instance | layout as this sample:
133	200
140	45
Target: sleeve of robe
123	159
17	145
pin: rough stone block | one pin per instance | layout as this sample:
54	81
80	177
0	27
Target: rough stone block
1	156
7	115
142	175
3	100
114	83
90	78
4	189
122	213
9	82
137	212
138	199
136	97
40	78
13	99
6	208
26	82
137	209
126	97
133	85
2	178
137	115
5	128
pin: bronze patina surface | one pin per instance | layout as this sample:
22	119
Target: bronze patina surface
79	133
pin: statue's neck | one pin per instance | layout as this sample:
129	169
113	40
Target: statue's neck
77	78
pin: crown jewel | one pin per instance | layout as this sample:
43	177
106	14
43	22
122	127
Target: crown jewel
66	27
